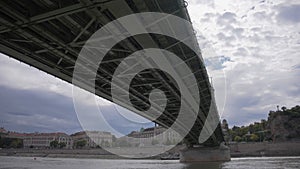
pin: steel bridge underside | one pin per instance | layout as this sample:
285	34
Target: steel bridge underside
49	35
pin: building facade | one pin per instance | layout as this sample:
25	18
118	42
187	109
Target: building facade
3	131
93	139
151	136
42	140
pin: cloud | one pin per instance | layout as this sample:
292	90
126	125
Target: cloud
32	100
43	111
262	55
289	14
226	18
30	110
210	3
254	43
217	62
30	78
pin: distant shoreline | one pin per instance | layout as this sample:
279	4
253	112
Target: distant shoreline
65	153
263	149
58	153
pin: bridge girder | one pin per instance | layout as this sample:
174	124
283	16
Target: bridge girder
49	35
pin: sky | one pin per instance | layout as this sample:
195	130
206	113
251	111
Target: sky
251	49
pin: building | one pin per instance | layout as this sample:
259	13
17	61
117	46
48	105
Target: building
42	140
3	131
151	136
92	139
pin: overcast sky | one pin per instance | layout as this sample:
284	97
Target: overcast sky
251	49
255	44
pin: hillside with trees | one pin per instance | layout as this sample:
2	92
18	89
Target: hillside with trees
284	125
281	125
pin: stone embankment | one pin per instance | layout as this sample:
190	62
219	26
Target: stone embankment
265	149
59	153
87	153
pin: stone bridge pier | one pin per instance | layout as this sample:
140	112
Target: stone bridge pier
205	154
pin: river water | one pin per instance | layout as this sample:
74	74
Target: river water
68	163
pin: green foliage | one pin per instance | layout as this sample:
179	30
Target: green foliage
142	129
62	145
54	144
283	108
11	142
256	130
237	138
293	112
80	143
260	131
16	143
254	137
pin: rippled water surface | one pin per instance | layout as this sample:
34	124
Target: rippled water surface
66	163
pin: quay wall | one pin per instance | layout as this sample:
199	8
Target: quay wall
265	149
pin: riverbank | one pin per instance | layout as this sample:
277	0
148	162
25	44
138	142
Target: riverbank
265	149
59	153
96	153
237	150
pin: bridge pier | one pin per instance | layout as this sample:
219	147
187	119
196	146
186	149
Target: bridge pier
205	154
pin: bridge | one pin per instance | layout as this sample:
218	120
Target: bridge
49	35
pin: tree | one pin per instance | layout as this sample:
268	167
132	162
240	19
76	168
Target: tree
16	143
263	124
235	128
62	144
254	137
283	108
251	128
142	129
237	138
54	144
1	142
80	144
